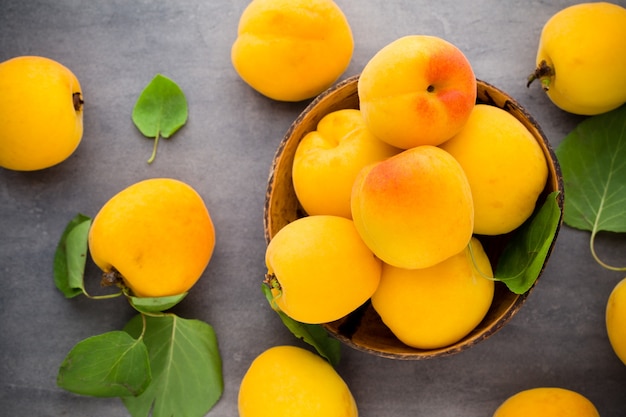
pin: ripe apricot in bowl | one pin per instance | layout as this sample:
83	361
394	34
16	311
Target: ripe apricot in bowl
363	329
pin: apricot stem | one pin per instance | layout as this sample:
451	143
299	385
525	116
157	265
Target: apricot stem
154	148
103	297
597	258
160	314
113	277
543	72
143	326
77	99
272	282
110	278
470	248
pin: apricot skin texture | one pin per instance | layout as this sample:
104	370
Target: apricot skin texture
157	234
616	320
292	50
414	209
505	166
417	90
435	307
324	269
547	402
288	381
328	160
39	124
585	44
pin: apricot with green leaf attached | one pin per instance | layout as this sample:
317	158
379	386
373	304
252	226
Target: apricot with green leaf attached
155	237
319	269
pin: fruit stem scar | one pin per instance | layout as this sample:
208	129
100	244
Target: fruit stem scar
430	88
470	249
272	282
544	72
77	99
112	277
154	148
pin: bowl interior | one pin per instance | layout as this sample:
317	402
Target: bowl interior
363	329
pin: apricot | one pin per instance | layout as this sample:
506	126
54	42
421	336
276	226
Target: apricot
292	50
41	113
434	307
505	166
417	90
616	319
415	209
156	237
287	381
320	269
581	58
327	161
547	402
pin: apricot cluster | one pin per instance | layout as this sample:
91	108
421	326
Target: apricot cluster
428	170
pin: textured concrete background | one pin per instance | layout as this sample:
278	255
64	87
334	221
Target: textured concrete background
115	47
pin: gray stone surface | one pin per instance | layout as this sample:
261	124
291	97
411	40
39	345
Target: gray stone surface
115	47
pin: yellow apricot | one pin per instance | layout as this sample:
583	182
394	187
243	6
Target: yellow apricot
616	320
41	113
288	381
320	269
547	402
505	166
581	58
435	307
292	50
417	90
156	235
415	209
327	161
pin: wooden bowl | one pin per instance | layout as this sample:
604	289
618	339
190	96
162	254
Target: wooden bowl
363	329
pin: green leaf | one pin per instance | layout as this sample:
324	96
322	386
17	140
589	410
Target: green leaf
313	334
160	110
593	163
523	258
108	365
155	304
186	367
71	255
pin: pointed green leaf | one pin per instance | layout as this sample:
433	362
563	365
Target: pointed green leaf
523	258
593	163
155	304
186	368
160	110
108	365
70	257
313	334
